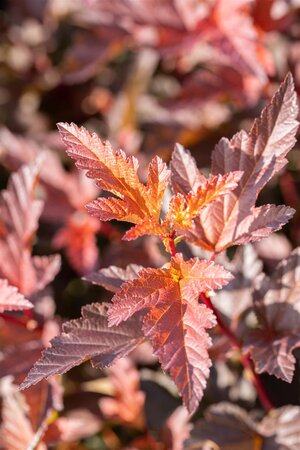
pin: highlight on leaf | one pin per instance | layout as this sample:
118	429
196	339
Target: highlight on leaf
174	321
234	219
116	173
11	299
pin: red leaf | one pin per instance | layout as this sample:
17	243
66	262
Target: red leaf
173	319
78	237
17	432
259	154
277	306
112	278
128	403
229	427
86	338
20	212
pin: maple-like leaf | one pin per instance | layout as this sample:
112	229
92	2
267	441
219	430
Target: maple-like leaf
174	321
88	337
20	211
234	219
116	173
277	307
11	299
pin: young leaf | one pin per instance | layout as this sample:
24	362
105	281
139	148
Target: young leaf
234	219
11	299
173	319
277	307
86	338
116	173
183	209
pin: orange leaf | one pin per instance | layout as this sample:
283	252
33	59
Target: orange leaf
116	173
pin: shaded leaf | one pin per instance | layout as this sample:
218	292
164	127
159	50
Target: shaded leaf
173	319
176	429
236	296
231	428
86	338
277	307
112	278
226	425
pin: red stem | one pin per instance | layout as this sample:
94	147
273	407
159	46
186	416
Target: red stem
172	244
245	359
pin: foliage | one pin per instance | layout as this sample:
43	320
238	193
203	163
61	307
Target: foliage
188	302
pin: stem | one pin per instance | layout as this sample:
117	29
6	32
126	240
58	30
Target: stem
172	244
245	359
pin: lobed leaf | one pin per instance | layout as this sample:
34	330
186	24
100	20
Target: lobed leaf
234	219
20	211
173	319
183	209
277	307
88	337
116	173
229	427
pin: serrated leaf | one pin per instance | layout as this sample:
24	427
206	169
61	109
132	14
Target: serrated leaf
226	426
116	173
277	307
112	277
86	338
236	296
11	299
183	209
185	176
20	211
173	319
234	219
229	427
